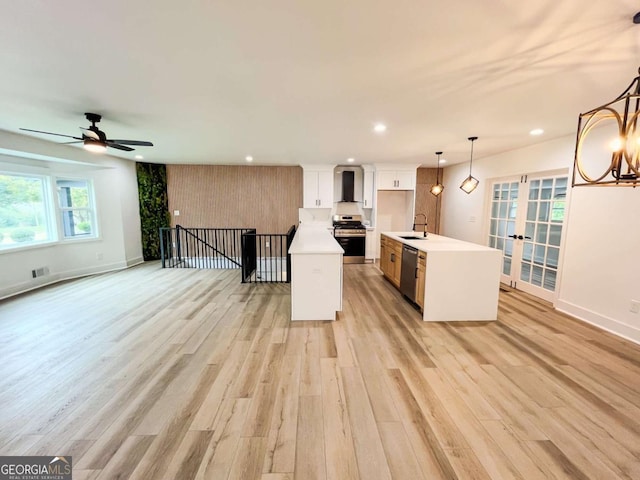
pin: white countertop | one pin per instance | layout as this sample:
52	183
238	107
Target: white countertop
314	238
437	243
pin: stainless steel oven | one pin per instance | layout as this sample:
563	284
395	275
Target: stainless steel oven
351	235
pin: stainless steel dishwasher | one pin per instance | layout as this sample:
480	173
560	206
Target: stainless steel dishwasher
409	272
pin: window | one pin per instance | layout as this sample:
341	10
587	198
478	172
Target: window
76	207
25	211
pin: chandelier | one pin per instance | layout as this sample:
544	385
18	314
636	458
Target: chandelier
609	155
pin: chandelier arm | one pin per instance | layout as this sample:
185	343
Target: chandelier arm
632	157
591	123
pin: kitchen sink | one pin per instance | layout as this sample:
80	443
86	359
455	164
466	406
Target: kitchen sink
413	237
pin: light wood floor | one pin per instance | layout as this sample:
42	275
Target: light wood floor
159	374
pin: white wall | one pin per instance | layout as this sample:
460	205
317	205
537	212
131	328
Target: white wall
600	269
116	195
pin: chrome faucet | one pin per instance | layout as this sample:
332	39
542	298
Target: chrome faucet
424	225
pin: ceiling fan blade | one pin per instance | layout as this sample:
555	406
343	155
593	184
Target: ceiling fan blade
69	143
119	147
49	133
139	143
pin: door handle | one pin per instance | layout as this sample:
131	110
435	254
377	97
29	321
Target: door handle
519	237
393	257
416	272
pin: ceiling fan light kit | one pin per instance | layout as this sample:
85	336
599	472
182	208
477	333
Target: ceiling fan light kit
617	164
95	146
94	139
470	183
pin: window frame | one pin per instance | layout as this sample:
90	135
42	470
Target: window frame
60	210
53	211
48	210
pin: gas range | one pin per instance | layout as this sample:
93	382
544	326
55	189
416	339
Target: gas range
348	226
350	233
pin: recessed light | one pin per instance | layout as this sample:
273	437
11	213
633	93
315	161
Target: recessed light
442	160
139	157
379	128
536	131
350	160
249	158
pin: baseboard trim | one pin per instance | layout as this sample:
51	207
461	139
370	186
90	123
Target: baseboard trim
608	324
61	277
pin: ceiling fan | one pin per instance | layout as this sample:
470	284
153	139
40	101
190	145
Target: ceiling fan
95	140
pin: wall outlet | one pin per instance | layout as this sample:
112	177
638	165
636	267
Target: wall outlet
635	306
472	219
176	213
39	272
99	256
267	244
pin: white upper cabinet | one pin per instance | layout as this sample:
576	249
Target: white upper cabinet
396	179
367	189
318	188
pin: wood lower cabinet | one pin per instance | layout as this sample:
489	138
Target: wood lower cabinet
422	269
391	259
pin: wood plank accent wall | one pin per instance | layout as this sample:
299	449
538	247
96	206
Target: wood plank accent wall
425	201
266	198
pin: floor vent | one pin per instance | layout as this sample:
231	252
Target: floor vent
39	272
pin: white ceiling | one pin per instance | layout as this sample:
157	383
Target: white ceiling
291	81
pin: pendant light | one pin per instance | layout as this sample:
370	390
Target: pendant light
470	183
618	163
438	187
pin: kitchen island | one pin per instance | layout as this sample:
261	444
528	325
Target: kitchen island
461	279
316	274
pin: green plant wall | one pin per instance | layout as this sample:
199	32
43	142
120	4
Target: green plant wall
154	206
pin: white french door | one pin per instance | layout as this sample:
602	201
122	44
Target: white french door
526	221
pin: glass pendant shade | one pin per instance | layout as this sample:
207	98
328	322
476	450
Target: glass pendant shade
438	187
470	183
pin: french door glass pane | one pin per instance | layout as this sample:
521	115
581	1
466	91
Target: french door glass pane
532	209
543	212
525	272
536	276
508	248
534	190
503	209
552	257
541	234
502	228
527	252
549	279
538	256
529	229
554	234
506	266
